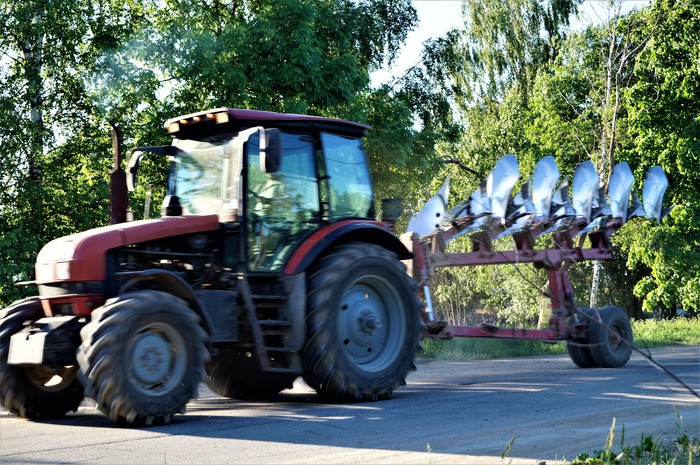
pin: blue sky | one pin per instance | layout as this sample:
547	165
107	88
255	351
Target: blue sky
436	17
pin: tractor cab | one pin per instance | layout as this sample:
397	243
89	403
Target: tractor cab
278	176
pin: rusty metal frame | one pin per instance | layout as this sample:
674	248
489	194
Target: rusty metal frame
429	253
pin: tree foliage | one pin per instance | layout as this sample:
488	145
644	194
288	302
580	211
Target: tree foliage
505	43
48	189
295	56
665	129
68	68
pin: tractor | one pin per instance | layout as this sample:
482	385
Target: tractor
267	264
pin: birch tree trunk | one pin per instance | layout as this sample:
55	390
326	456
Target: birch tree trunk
33	63
620	56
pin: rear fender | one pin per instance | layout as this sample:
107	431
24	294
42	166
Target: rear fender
340	233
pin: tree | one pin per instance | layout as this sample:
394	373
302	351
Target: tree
665	130
70	67
304	56
47	51
505	43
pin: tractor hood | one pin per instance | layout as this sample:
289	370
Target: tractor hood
81	256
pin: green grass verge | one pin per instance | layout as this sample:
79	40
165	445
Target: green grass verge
670	449
647	333
655	333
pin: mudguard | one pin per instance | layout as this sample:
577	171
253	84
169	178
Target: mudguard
343	232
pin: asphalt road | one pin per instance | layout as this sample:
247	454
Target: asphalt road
524	410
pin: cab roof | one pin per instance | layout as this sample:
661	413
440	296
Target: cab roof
221	120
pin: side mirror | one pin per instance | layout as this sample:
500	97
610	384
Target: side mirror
391	209
136	154
132	170
270	150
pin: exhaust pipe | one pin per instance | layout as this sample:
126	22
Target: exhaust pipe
118	196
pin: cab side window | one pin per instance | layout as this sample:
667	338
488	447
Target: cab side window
349	181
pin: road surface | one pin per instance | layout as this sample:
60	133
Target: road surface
519	411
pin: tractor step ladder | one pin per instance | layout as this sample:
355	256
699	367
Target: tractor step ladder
270	329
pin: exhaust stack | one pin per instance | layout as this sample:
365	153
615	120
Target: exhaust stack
118	196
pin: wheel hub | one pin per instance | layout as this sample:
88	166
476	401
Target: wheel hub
364	327
362	324
367	322
151	358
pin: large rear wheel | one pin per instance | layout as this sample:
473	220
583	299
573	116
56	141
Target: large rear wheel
363	324
142	357
36	392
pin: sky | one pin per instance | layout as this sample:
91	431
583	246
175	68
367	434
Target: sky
436	17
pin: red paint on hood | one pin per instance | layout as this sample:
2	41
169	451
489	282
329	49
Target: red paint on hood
85	251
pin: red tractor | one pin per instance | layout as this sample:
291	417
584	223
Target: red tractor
267	264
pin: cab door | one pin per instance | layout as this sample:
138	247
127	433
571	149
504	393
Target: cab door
283	207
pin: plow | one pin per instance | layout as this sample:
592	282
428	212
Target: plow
544	205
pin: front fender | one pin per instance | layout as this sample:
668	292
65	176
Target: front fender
169	282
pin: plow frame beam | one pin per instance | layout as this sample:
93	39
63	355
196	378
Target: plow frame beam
429	254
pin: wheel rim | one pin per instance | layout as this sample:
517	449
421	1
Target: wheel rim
51	379
371	323
158	359
616	334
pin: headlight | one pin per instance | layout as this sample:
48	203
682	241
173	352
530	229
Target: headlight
62	271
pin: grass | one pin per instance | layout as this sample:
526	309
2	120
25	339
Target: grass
656	333
675	449
647	333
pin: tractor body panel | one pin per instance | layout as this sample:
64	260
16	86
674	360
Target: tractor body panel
84	252
72	270
344	232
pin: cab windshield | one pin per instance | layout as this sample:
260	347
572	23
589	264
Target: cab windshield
205	176
321	178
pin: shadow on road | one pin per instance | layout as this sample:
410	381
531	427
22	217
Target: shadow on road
546	405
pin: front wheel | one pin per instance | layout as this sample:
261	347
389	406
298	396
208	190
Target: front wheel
142	357
363	324
36	392
611	339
